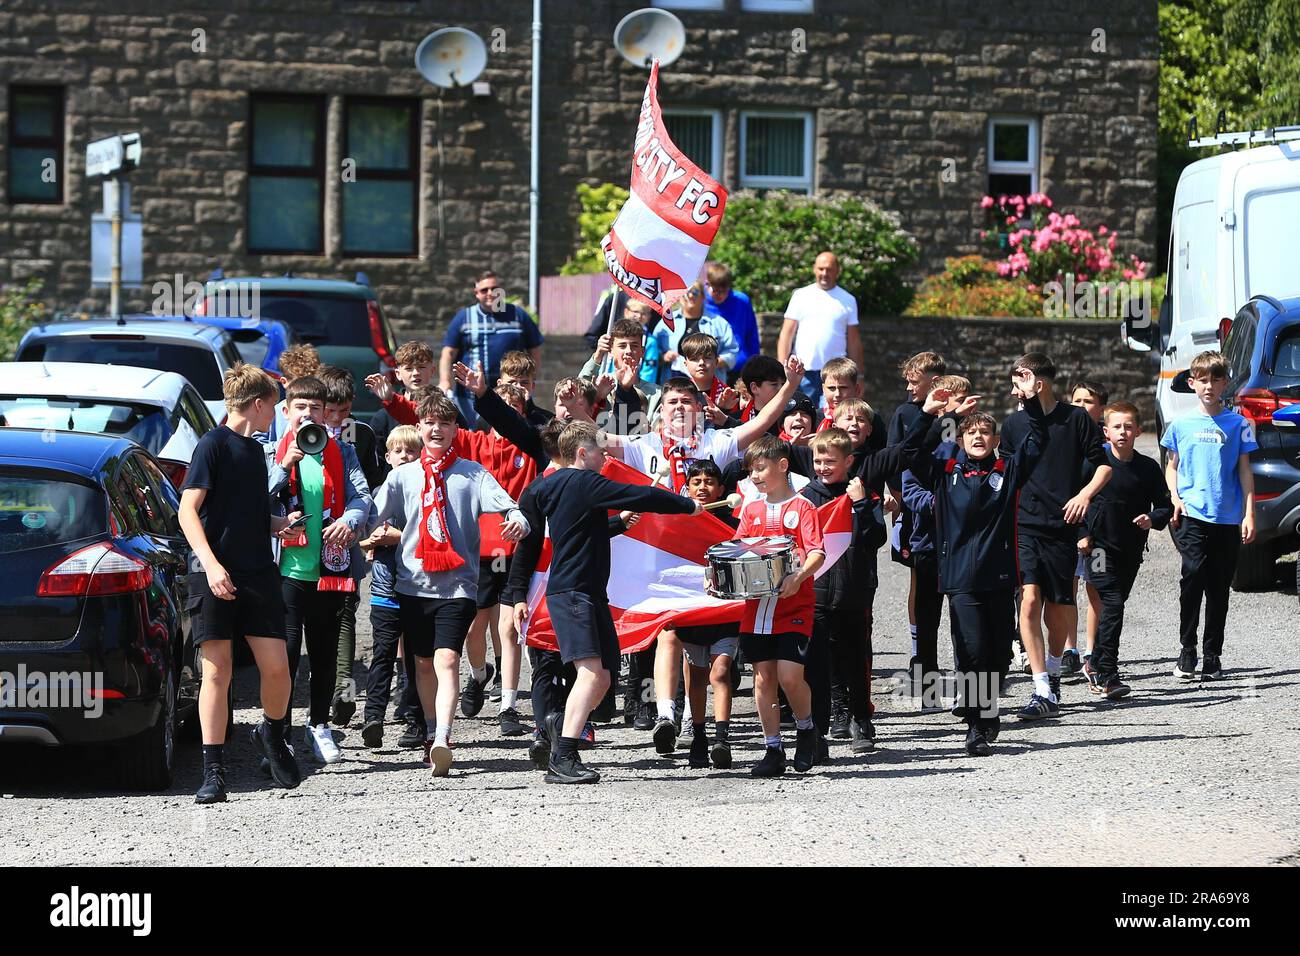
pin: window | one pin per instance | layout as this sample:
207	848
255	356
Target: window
1013	157
776	6
36	144
286	167
776	151
698	134
689	4
379	207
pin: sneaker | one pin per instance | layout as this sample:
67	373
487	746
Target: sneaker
539	751
915	677
475	692
787	717
1054	682
720	755
587	739
1185	669
1090	675
864	737
1114	688
414	734
686	736
494	694
823	752
1038	708
213	788
992	730
570	770
840	725
512	724
772	764
1021	662
805	749
277	756
1004	687
341	711
439	758
665	736
323	747
1211	669
645	717
1070	664
372	734
977	745
699	756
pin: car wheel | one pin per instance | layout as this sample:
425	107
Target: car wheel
148	760
1256	567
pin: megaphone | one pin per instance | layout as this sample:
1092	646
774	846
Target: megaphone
312	438
451	57
648	34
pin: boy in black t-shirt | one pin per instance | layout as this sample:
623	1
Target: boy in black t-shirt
225	514
1054	499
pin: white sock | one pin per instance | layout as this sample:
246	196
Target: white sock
1053	665
1041	685
915	650
508	698
666	708
478	673
440	735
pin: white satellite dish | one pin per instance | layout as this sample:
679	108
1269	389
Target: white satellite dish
649	34
451	57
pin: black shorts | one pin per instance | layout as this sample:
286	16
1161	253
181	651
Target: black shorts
491	582
256	611
433	624
789	646
1048	562
584	628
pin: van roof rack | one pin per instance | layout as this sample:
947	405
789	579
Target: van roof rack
1246	137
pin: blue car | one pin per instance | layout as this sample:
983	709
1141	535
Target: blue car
259	341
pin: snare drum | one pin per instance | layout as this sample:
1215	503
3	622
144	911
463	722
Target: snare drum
746	568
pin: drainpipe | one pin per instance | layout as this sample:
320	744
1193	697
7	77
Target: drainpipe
534	174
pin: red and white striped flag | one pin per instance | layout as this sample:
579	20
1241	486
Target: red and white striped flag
659	242
658	571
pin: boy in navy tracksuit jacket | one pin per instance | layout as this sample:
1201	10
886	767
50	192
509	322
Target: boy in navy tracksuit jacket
975	500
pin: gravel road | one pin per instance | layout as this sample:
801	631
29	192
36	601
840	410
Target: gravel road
1177	774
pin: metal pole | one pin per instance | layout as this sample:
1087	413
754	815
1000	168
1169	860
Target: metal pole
534	183
607	364
116	191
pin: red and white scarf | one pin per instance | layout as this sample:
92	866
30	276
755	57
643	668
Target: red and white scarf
335	562
434	550
678	453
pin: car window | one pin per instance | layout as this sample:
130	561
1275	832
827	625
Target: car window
195	362
144	423
1239	349
1287	362
232	356
132	490
195	413
40	508
165	494
320	319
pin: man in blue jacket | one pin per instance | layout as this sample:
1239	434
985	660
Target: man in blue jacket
727	303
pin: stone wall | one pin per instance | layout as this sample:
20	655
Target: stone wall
899	89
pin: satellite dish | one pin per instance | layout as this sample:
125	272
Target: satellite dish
451	57
648	34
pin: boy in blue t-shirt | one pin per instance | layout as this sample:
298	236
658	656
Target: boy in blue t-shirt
1213	493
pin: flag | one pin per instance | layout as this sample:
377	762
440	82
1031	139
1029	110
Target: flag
658	571
660	240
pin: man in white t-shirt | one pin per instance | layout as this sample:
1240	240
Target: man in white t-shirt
821	323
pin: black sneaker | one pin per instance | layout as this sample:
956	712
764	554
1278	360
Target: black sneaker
699	757
341	711
282	765
864	737
1070	663
840	725
1113	688
570	770
772	764
787	716
720	755
823	752
805	749
372	734
539	751
1038	708
213	788
1185	669
992	730
1054	682
1211	669
494	694
686	736
413	736
665	736
977	745
512	724
645	717
475	692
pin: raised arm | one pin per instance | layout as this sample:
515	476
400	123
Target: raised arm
749	432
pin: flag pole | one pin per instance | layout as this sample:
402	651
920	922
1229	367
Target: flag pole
607	363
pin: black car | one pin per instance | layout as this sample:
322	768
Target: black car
95	646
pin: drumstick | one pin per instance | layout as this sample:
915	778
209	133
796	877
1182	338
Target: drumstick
732	501
661	473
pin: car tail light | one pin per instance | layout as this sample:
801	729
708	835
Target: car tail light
1259	404
377	335
95	571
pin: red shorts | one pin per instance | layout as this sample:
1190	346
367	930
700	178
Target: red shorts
776	615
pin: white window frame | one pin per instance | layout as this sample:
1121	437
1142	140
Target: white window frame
809	181
998	168
715	134
689	4
776	6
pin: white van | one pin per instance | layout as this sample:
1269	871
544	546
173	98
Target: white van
1235	233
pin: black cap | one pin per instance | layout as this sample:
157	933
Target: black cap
801	403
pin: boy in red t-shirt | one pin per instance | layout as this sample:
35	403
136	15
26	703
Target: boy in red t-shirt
776	631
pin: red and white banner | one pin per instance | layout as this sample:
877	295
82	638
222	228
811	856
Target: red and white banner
658	571
659	242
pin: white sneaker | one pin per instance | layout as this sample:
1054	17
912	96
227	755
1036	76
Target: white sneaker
323	745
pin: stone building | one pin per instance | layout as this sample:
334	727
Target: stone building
251	113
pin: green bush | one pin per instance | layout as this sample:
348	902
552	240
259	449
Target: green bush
770	242
600	206
19	311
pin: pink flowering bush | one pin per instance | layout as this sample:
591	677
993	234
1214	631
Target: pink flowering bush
1052	245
